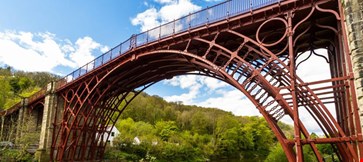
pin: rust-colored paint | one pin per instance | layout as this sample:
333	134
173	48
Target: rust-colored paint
254	51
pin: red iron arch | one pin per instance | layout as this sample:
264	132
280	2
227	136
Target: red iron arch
260	66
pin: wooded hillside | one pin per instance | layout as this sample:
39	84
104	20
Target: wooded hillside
190	133
17	84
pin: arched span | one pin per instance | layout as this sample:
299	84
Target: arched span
179	63
248	76
262	74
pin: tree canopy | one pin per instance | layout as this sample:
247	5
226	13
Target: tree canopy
189	133
17	84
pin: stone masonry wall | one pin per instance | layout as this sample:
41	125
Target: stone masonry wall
354	22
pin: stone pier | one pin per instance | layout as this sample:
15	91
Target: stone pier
353	10
46	132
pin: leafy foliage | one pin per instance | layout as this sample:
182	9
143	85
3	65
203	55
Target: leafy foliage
15	85
188	133
25	143
277	154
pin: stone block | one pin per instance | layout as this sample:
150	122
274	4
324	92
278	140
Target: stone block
357	53
360	91
357	61
358	74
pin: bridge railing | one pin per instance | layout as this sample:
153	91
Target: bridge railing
11	109
208	15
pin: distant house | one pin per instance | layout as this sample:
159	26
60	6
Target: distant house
114	132
136	141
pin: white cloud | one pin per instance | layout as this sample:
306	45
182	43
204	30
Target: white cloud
233	101
308	121
83	50
104	49
219	97
44	51
186	98
31	52
171	10
147	19
177	9
316	68
214	84
165	1
189	82
146	4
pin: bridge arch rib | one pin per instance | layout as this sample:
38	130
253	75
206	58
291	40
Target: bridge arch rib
258	78
258	65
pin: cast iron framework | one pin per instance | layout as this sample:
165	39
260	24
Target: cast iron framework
254	50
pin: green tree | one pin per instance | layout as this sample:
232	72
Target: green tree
28	140
200	123
5	71
190	133
277	154
183	120
226	136
166	129
262	138
4	91
328	152
14	84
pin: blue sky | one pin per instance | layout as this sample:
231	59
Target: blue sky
60	36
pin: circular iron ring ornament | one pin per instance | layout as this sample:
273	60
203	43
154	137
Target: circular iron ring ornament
283	49
273	43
